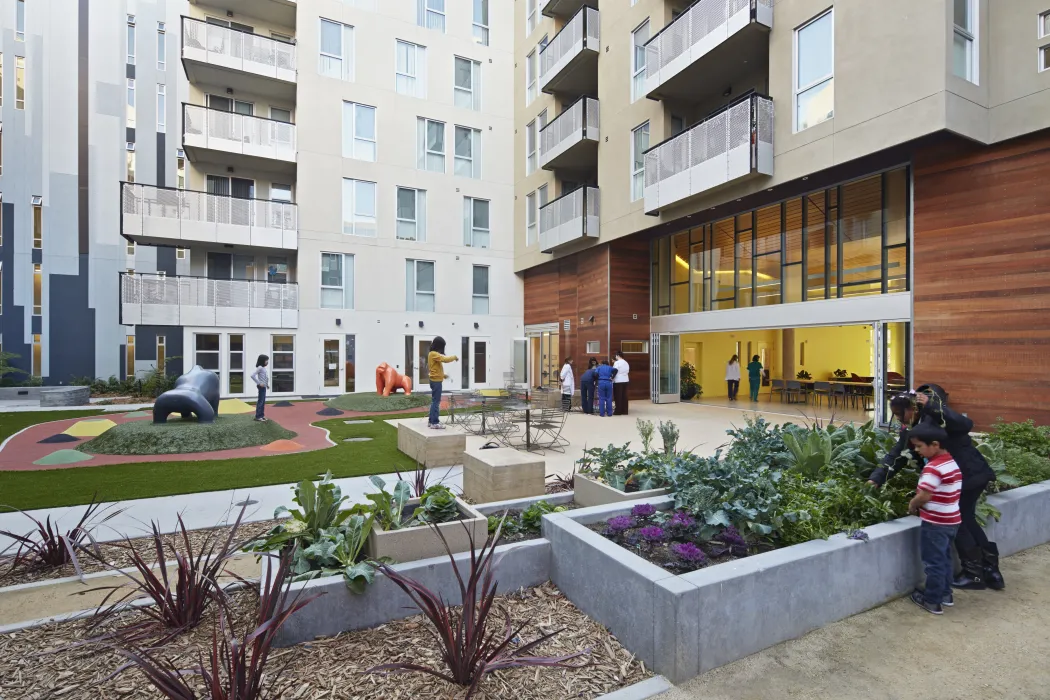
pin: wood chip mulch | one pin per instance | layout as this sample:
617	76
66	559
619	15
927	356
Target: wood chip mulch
37	663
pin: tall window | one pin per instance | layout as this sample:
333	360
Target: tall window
419	285
530	78
162	108
129	174
359	208
336	59
639	145
530	16
1044	58
162	50
481	22
541	197
130	249
38	356
131	103
162	343
410	76
815	71
431	14
359	131
431	145
468	152
530	218
531	157
467	87
38	222
964	40
1	79
20	20
206	351
180	169
38	289
411	214
131	40
20	82
235	376
476	222
639	37
337	281
129	357
1044	25
283	363
480	297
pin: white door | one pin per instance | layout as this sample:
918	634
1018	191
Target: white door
480	363
332	368
665	371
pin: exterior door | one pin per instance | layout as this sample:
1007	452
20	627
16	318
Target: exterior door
480	363
666	367
331	367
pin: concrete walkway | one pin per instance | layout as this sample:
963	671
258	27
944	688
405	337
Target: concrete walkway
990	645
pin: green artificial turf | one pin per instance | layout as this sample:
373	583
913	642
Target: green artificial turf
117	482
374	403
11	423
144	437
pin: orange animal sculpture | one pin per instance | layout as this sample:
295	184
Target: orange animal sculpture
389	380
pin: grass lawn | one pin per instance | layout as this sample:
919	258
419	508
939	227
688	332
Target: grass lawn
143	437
374	403
11	423
117	482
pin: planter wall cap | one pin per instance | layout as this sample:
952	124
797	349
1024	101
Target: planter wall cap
497	507
649	688
608	548
1018	493
596	514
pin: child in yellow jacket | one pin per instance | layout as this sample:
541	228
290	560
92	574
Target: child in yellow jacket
435	361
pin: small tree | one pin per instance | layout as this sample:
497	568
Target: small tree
5	365
688	388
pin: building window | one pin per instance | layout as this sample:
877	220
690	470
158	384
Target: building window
531	155
206	351
411	70
530	218
530	78
431	144
634	346
480	299
235	376
431	14
815	71
639	145
129	249
476	222
541	196
359	208
1044	58
337	281
162	359
162	108
38	356
38	290
530	17
38	221
180	253
481	22
1	80
131	103
359	131
594	347
283	363
131	40
129	357
277	269
20	82
964	40
419	285
180	169
467	161
20	20
411	214
162	40
129	174
336	59
467	86
1044	24
639	37
280	193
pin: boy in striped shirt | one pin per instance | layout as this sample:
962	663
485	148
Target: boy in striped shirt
936	502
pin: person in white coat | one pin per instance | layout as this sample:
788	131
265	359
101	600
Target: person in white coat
620	385
733	376
568	384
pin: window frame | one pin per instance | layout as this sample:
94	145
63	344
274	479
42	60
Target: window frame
531	77
473	92
531	211
131	40
1043	28
180	253
129	161
419	213
352	183
37	213
352	151
423	159
414	264
532	152
475	151
970	36
638	174
20	20
474	296
274	371
20	84
424	12
638	71
419	57
531	21
162	47
347	67
480	37
470	230
130	106
1043	58
347	281
796	90
38	289
162	108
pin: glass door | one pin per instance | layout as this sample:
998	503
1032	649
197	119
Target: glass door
331	374
479	363
666	368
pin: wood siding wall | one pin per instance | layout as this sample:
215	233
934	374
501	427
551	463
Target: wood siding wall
982	277
609	282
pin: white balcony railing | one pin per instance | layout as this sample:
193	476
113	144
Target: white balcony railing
156	300
732	143
704	25
571	217
229	48
577	123
237	133
580	33
187	216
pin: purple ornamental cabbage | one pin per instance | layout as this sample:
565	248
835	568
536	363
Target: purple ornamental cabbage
652	533
643	510
620	523
732	537
682	519
688	552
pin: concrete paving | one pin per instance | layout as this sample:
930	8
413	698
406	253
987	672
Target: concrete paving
992	644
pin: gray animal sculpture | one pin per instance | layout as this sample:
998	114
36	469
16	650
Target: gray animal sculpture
196	392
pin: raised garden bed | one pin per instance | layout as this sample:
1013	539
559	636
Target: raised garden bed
421	542
591	492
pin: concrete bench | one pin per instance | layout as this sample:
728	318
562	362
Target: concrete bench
431	448
502	474
65	396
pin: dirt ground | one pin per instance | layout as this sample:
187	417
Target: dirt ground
990	645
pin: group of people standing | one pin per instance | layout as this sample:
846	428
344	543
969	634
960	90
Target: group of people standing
754	376
606	380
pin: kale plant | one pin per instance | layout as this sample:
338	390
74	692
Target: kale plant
758	442
669	434
389	508
437	505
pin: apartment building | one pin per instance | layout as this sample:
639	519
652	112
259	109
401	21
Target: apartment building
849	187
327	182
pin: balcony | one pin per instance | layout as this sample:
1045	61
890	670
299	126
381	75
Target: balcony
569	63
571	141
571	218
155	300
218	55
276	12
253	141
733	143
712	44
167	216
563	8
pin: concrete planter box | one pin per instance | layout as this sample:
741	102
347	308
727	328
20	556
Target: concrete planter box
502	474
65	396
432	448
590	492
421	542
498	507
682	626
518	565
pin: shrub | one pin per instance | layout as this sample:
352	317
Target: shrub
623	469
1026	467
688	388
669	434
757	442
1024	436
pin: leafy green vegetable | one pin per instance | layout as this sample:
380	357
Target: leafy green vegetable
437	505
389	508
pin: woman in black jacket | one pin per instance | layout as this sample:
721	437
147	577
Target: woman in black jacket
979	557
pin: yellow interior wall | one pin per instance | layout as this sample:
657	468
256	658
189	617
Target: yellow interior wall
897	344
835	347
717	348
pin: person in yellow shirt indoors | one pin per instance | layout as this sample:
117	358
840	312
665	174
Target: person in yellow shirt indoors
435	363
